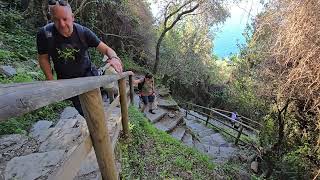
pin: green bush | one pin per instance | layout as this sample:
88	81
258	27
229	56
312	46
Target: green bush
269	132
295	165
23	123
19	78
10	19
130	65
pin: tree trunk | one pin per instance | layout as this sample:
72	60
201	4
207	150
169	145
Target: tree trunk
156	63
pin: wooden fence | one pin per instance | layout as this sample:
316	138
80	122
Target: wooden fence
242	122
21	98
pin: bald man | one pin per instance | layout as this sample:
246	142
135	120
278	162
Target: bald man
66	44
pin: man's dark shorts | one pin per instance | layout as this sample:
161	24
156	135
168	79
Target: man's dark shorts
147	99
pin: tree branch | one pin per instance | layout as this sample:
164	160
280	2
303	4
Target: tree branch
83	4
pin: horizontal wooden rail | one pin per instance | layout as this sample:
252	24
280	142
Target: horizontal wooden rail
220	129
225	116
20	98
242	117
210	116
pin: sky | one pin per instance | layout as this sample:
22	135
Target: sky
230	33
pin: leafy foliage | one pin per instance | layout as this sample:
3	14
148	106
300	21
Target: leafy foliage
281	61
10	19
153	153
23	124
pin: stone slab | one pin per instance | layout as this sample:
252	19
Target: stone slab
178	133
62	139
33	166
69	113
168	124
168	103
159	113
187	139
8	71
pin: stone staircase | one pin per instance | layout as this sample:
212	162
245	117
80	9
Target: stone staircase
190	130
47	146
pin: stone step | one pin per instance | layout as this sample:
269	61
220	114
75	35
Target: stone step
178	133
187	139
159	113
168	103
168	124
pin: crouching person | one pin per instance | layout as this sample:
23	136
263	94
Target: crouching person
147	93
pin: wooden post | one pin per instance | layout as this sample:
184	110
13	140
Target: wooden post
92	106
208	117
239	134
124	107
131	89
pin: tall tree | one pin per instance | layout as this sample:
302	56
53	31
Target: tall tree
212	11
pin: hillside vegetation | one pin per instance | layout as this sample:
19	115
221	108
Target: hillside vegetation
274	79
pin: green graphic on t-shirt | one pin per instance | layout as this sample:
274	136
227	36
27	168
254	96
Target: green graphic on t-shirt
67	53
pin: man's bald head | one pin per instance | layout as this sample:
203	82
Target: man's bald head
62	18
53	8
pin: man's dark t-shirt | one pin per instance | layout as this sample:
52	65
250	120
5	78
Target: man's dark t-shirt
69	54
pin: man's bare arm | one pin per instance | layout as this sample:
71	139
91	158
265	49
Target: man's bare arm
45	66
114	59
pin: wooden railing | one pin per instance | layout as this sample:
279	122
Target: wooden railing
217	115
21	98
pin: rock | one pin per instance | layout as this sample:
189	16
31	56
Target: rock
159	113
89	165
168	124
62	139
69	113
39	130
12	142
187	139
201	147
33	166
7	71
252	157
221	154
243	158
66	123
171	115
243	175
254	166
40	125
178	133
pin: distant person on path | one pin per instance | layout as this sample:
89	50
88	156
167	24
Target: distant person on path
235	118
66	44
147	92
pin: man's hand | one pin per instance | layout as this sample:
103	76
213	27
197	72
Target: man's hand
116	64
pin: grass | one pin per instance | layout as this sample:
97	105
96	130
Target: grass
153	154
22	124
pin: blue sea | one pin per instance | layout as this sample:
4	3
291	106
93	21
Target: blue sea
229	34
